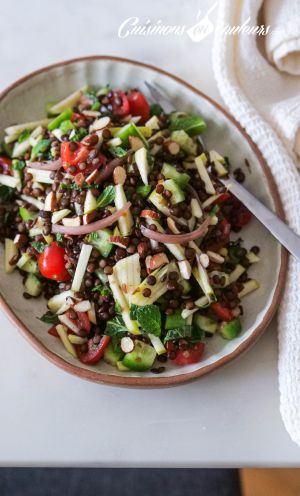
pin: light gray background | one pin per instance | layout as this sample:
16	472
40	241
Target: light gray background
229	418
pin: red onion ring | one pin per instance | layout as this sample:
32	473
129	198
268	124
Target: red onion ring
94	226
51	165
176	238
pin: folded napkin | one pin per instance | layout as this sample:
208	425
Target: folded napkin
267	104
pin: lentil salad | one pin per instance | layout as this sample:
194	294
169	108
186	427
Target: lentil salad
113	211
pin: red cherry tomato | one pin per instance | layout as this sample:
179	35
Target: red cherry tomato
191	355
138	105
223	313
84	321
222	198
51	263
5	164
119	102
53	332
73	157
95	351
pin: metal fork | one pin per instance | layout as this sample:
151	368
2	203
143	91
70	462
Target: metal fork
280	231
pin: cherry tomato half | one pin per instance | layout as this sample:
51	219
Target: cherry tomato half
223	313
70	156
120	103
5	164
95	351
51	263
138	105
191	355
84	321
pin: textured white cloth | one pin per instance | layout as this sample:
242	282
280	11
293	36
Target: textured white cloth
283	42
260	98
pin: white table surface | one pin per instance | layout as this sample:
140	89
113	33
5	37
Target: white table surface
229	418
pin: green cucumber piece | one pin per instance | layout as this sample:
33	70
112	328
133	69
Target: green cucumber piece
177	193
205	323
230	330
141	358
33	285
112	356
175	320
121	367
31	266
101	243
184	141
170	172
10	251
130	130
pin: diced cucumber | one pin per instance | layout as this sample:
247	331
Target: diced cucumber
33	285
184	141
144	130
249	286
111	356
170	172
23	260
101	243
130	129
205	323
141	358
159	202
31	266
121	367
177	193
65	115
174	320
10	251
230	330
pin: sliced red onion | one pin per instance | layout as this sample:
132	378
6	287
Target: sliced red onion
176	238
109	168
50	165
94	226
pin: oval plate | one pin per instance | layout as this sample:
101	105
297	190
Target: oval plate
26	99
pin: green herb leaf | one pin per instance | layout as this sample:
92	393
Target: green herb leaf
185	332
133	311
103	290
59	237
6	193
38	246
117	151
155	109
79	134
149	318
191	124
41	147
18	165
49	318
107	197
144	190
24	136
116	327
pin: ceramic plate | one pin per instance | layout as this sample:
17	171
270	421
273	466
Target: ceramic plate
25	100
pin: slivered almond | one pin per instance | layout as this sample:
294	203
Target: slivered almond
149	214
71	221
79	179
121	241
172	225
171	147
185	269
119	175
157	261
135	143
88	218
215	257
204	260
99	124
92	177
50	202
147	263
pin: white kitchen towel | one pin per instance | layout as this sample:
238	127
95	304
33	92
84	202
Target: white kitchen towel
283	42
259	96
